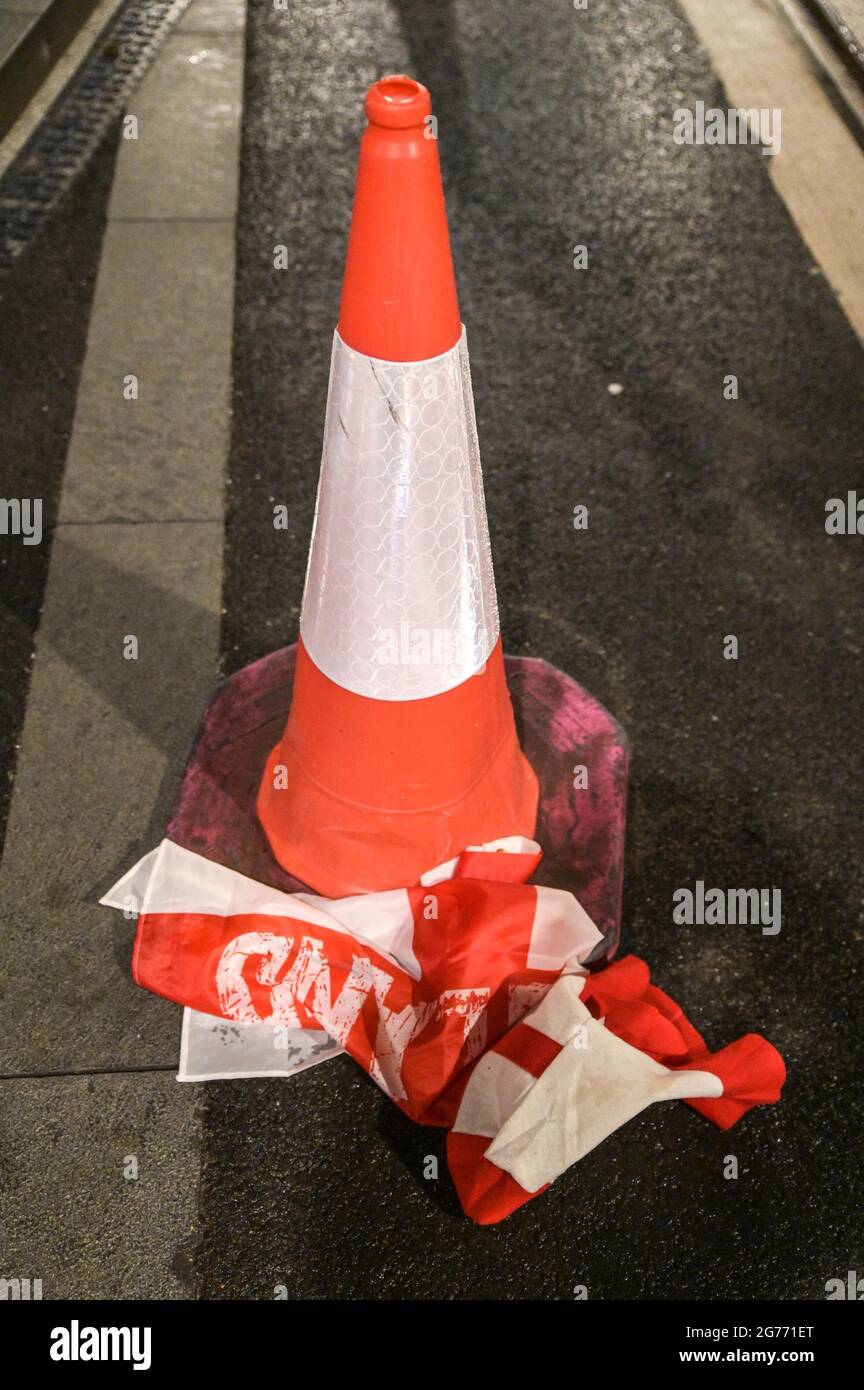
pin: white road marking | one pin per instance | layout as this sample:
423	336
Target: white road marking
819	171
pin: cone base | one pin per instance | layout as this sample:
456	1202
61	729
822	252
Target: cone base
362	795
339	848
560	725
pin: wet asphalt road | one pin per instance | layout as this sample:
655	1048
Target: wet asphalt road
706	519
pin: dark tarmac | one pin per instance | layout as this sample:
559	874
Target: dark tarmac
706	518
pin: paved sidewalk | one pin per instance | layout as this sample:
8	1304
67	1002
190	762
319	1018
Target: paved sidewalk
136	554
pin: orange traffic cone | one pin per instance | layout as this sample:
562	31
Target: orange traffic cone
400	748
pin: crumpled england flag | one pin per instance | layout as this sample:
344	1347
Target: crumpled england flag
465	998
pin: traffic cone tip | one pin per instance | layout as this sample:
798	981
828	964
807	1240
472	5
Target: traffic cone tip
398	102
399	300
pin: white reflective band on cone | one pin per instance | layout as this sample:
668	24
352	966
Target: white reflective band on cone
400	595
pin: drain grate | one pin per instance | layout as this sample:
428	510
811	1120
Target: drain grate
74	127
